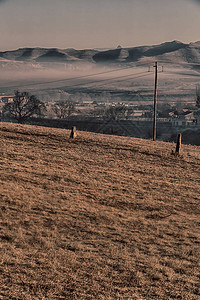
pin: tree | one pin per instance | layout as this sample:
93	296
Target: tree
23	106
116	112
63	109
198	96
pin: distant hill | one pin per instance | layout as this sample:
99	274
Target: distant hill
173	52
48	55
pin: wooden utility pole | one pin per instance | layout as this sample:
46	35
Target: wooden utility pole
155	100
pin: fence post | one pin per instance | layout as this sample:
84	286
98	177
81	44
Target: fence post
178	144
73	133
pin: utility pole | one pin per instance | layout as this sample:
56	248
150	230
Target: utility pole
155	100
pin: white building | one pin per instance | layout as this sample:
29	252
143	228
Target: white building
187	119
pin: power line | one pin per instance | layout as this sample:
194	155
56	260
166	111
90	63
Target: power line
113	81
169	62
103	82
183	74
125	77
101	73
73	78
96	82
131	76
78	84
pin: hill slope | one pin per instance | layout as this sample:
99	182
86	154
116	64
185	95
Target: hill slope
98	217
172	52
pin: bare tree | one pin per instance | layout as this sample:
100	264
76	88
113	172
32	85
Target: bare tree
23	106
115	112
63	109
198	96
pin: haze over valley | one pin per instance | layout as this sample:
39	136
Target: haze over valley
89	70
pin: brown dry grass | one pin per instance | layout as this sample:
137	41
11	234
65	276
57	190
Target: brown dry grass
98	217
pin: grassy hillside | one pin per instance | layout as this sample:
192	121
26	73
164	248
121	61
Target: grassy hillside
98	217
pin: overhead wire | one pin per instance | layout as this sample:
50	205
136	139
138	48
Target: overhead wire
104	82
99	73
108	79
73	78
125	78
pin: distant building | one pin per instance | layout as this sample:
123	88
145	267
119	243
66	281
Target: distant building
187	119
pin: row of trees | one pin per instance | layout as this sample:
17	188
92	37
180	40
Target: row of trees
113	112
25	106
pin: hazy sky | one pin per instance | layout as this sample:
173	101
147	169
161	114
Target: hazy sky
96	23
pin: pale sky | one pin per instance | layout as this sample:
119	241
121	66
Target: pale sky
84	24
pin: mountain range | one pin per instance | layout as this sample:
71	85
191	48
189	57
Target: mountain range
172	52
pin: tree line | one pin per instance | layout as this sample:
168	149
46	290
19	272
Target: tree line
24	106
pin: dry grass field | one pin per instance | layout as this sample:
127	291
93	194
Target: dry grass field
97	217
